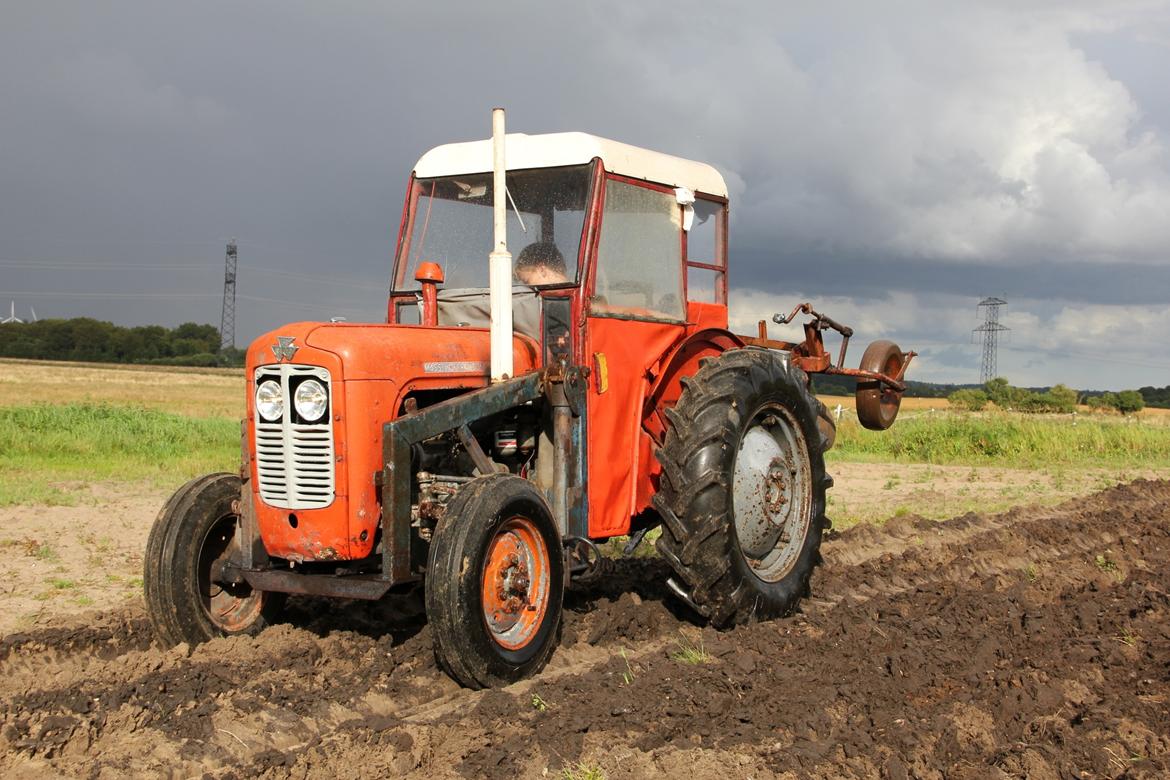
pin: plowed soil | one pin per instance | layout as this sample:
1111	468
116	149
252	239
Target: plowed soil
1034	643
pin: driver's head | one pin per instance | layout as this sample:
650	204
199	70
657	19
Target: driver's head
541	263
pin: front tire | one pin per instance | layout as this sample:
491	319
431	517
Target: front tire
495	582
742	495
195	530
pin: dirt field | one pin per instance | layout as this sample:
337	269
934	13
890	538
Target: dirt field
1033	643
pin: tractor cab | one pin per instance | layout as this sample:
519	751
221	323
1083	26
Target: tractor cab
620	254
555	370
623	232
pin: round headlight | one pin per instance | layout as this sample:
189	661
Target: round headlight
269	401
310	400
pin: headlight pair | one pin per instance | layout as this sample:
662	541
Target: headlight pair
309	399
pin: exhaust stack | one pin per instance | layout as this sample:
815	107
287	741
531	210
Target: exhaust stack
500	260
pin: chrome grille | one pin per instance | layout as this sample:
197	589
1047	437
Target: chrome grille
294	461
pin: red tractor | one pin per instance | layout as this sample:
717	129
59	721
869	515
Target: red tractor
509	415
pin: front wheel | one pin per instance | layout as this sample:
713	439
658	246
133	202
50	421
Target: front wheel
194	534
495	582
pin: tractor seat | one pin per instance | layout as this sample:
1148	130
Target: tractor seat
471	306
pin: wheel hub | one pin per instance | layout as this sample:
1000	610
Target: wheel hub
231	604
515	583
775	488
771	493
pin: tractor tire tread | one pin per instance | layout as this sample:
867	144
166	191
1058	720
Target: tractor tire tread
694	499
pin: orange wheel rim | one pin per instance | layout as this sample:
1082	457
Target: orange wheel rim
231	608
515	583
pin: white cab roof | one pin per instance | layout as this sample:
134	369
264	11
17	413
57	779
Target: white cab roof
556	149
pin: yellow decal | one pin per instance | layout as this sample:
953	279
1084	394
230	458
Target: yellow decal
602	372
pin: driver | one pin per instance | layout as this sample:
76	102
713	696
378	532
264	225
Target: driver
541	263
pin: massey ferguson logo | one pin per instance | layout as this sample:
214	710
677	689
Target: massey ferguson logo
284	349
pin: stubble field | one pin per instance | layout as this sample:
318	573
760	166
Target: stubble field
979	614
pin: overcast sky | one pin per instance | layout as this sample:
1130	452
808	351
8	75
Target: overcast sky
892	162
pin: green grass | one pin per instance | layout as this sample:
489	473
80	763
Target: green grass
1104	564
43	446
1005	439
690	651
583	770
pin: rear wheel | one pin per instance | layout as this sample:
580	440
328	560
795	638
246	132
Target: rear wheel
495	582
194	534
742	495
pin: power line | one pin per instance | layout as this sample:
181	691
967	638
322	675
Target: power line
84	265
267	270
65	294
170	296
1096	357
320	306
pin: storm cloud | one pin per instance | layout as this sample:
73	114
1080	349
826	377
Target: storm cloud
892	162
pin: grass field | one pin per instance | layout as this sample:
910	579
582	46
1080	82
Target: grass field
49	451
197	392
1007	439
65	427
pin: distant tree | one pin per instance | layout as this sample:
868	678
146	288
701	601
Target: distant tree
1102	401
232	356
206	335
186	347
156	342
1005	396
1060	399
1156	396
998	391
1130	402
83	338
969	399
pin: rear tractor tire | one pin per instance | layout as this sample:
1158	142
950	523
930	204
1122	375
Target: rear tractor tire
195	531
742	495
495	582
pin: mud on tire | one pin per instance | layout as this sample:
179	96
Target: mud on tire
195	528
495	582
729	410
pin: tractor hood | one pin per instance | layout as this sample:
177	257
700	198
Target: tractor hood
399	353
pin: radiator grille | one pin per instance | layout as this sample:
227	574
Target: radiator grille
294	461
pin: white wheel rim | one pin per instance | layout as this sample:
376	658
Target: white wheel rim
772	493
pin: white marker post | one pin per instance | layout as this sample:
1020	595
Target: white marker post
500	260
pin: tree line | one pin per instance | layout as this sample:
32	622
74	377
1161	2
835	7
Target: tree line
1056	399
85	339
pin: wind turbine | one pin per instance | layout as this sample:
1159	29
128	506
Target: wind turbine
12	318
34	313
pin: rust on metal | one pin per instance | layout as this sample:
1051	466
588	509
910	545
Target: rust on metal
358	586
482	462
812	358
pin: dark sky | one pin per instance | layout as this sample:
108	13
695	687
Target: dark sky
892	162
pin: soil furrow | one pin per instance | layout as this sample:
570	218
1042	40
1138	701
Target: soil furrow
1031	643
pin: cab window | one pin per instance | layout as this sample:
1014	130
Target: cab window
639	254
706	270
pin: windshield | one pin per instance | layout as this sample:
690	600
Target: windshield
451	224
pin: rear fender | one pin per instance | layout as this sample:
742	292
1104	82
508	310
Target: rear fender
682	362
